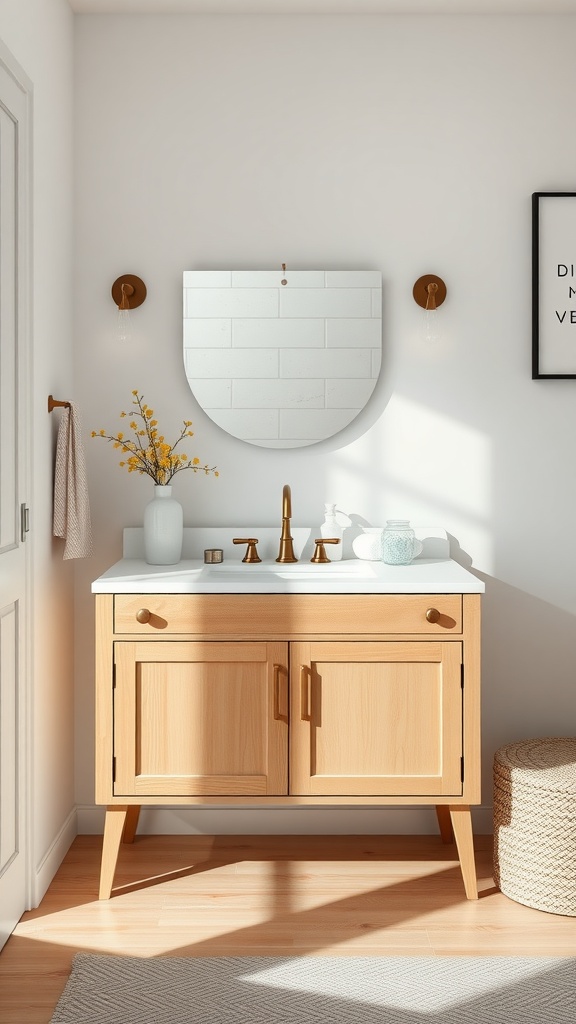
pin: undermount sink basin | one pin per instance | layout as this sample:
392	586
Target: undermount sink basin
293	571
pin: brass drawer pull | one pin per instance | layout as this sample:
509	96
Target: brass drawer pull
277	693
305	708
143	615
433	615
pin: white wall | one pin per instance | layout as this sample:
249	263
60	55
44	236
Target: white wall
406	144
39	35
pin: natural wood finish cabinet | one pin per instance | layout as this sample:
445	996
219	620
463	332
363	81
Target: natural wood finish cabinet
287	700
200	719
376	719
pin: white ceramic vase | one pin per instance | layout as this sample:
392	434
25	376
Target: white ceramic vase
163	528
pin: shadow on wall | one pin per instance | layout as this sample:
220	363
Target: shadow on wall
528	667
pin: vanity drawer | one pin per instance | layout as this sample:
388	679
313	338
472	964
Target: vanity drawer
266	615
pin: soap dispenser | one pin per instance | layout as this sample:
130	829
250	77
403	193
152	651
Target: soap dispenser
332	528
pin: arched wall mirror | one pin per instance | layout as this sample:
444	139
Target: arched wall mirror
282	358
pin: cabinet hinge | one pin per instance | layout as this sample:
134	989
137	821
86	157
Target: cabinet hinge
114	676
462	675
461	769
113	769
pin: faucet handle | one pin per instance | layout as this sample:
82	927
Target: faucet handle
320	551
251	551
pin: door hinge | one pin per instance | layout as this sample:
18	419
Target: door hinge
113	769
461	769
24	520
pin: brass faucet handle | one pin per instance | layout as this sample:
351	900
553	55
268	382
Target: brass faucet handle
320	551
251	551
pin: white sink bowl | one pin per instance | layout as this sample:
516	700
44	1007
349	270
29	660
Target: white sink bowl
292	571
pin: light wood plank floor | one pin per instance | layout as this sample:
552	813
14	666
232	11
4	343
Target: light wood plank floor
266	896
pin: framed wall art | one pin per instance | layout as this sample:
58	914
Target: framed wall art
553	285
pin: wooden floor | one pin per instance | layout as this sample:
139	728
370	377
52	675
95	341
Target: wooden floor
266	896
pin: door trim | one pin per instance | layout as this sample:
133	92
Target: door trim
24	273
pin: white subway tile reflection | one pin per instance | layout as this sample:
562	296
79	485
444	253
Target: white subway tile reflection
282	365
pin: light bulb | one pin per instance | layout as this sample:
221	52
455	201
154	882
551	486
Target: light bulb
124	325
431	332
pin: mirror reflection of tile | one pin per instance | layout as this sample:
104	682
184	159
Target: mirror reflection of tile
282	366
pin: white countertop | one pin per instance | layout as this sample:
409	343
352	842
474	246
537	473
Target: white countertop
349	576
433	572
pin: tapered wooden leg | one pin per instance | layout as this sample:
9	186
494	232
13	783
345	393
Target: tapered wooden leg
445	823
132	815
462	825
113	829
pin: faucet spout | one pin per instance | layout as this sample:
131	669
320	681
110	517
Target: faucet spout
286	553
286	502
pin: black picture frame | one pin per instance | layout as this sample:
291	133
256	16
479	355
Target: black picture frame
553	286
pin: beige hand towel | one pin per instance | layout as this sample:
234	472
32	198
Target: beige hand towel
71	505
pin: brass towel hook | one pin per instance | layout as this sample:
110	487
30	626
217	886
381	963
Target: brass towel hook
53	403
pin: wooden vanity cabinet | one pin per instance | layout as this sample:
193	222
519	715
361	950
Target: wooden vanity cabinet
287	700
200	719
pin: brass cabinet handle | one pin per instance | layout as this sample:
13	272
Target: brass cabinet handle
143	615
432	615
305	709
277	692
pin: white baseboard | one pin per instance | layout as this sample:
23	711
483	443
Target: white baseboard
53	857
283	821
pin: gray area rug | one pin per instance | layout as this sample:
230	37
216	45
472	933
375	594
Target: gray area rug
298	990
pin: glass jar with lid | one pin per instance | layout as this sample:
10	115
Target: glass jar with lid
399	544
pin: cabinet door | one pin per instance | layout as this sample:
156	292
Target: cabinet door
376	718
200	719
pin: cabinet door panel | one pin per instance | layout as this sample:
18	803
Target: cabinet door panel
376	718
200	719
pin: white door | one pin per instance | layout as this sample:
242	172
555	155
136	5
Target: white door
14	560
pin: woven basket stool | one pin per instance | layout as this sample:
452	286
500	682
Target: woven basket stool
535	823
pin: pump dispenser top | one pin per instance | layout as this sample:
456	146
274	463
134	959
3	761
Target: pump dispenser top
332	528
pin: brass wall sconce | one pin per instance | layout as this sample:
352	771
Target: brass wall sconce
429	292
128	293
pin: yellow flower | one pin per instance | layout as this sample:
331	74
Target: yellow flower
148	452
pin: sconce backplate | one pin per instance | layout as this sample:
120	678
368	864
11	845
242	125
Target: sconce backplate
135	298
421	295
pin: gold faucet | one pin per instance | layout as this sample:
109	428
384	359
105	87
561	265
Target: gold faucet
286	553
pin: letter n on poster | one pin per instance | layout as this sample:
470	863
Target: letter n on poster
553	285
